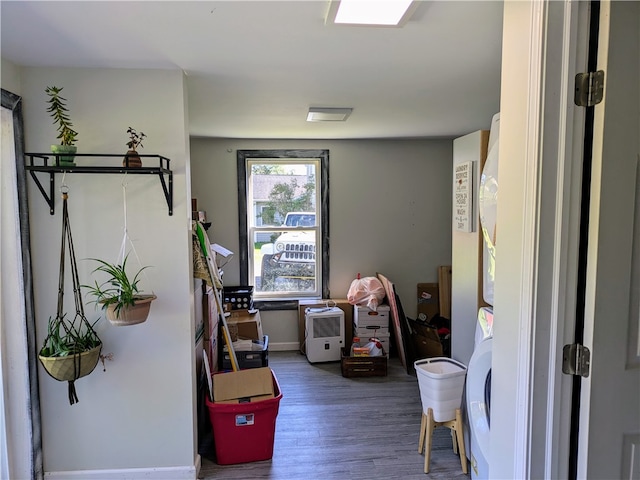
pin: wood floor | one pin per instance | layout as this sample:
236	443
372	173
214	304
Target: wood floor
331	427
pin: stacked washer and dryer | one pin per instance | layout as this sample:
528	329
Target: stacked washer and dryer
478	384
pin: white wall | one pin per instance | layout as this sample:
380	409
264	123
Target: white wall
390	207
140	412
10	77
465	257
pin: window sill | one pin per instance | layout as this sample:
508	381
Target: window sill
271	305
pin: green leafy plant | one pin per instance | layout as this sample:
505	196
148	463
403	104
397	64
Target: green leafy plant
64	339
135	139
60	114
118	290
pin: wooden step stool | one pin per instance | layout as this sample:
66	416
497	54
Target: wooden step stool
428	425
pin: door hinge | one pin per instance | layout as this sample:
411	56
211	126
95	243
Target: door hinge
589	88
575	360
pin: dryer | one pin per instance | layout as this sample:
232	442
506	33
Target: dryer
478	397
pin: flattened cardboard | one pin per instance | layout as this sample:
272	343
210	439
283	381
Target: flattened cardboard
428	300
243	386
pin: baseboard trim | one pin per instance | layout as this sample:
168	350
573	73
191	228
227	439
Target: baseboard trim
284	346
161	473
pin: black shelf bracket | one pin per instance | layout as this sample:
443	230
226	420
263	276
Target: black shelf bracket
39	163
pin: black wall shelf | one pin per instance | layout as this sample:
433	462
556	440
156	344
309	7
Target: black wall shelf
50	163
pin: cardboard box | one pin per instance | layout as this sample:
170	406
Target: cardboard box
365	317
428	302
248	325
364	336
426	341
243	386
370	331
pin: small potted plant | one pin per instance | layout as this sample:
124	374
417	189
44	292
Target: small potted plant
120	295
132	159
66	150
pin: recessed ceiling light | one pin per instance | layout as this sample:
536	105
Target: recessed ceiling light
324	114
370	12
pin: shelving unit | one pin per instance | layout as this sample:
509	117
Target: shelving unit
49	163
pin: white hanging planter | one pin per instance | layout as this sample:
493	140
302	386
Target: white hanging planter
119	295
133	314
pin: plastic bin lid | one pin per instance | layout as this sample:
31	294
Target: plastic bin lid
439	367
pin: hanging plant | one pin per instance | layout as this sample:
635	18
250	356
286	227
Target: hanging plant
69	352
71	349
120	295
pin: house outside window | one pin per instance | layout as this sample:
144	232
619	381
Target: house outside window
283	209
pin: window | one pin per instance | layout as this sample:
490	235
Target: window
284	222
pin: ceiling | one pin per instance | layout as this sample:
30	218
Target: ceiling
253	68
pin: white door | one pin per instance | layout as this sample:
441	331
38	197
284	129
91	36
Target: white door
609	422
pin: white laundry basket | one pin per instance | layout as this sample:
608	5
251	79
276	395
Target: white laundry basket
441	382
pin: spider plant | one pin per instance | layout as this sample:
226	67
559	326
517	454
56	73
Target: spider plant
119	291
64	339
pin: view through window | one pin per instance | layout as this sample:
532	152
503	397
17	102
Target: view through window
284	227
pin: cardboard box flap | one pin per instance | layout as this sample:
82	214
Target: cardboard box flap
243	385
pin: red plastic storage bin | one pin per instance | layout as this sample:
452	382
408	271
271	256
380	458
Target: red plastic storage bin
245	432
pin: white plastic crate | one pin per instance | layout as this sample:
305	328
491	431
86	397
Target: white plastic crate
441	382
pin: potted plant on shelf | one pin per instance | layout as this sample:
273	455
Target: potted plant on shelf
132	159
67	149
119	295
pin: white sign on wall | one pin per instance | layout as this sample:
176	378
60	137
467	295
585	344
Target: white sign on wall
463	197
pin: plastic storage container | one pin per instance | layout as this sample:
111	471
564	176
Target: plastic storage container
248	359
238	297
441	382
245	432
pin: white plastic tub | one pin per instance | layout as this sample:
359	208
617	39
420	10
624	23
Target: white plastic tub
441	382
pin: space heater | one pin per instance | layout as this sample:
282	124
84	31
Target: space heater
324	334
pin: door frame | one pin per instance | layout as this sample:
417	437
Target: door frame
18	337
544	46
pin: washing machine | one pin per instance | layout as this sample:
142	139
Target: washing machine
484	330
478	397
478	384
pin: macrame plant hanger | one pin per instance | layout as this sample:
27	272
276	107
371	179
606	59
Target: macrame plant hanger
122	254
81	366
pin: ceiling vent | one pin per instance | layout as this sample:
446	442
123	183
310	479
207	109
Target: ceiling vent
322	114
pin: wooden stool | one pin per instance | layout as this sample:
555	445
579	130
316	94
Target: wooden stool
428	425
